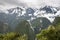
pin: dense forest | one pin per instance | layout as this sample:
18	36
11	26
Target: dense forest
23	31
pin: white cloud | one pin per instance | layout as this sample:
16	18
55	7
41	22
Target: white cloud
30	3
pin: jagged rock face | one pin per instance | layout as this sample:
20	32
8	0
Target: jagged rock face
29	11
49	9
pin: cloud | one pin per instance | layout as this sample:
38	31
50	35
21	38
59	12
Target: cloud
1	4
30	3
11	2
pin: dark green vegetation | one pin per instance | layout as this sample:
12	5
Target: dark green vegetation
52	32
13	36
23	30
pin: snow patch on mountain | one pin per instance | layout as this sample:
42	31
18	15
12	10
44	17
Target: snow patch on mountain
32	13
58	13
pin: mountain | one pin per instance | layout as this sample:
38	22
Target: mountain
56	21
18	11
14	15
4	27
40	23
49	9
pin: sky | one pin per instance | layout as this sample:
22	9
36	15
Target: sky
5	4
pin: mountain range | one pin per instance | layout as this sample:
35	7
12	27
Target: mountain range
33	15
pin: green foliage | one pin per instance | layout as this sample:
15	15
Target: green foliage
13	36
22	37
52	33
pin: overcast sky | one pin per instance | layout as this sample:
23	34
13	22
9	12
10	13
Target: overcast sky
30	3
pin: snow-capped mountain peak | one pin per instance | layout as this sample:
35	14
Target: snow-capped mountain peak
33	13
18	10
